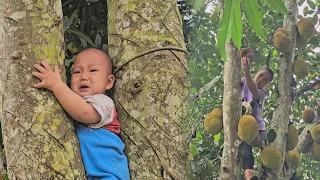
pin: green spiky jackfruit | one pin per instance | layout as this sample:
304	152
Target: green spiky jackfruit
248	128
256	141
293	159
306	28
216	113
315	151
271	157
300	68
308	115
293	138
315	133
213	123
301	42
282	40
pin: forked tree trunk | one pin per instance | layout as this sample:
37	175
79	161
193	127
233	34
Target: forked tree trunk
39	140
147	46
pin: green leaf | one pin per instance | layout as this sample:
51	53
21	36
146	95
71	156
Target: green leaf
192	65
312	4
237	25
81	35
198	4
254	16
278	6
193	150
217	137
271	135
224	33
258	58
196	82
6	177
200	72
300	2
315	18
305	10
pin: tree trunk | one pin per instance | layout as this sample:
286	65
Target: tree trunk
147	46
39	140
230	164
281	115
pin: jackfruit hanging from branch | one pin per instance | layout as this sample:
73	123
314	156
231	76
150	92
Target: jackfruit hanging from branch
213	123
306	28
282	40
271	157
248	128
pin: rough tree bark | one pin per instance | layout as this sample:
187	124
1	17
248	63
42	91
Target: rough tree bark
230	163
147	46
39	140
281	115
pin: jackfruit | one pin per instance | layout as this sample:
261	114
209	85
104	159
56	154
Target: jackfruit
271	157
248	128
301	42
246	52
306	28
293	137
315	133
255	142
213	123
308	115
282	41
315	151
300	68
293	159
216	113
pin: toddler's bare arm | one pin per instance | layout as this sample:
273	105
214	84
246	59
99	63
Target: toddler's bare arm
74	104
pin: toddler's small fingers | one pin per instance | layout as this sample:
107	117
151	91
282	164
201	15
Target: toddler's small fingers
38	75
39	68
46	65
56	69
38	85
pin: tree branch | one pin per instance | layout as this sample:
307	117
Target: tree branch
307	88
149	52
304	137
202	91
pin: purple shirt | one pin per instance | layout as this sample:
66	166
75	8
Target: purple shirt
256	110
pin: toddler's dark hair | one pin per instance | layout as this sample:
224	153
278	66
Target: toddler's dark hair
109	60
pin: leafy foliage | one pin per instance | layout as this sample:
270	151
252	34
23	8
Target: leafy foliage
201	28
85	25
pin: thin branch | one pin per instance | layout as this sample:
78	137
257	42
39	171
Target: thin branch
149	52
202	91
307	88
304	137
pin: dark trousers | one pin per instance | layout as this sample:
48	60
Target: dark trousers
246	152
